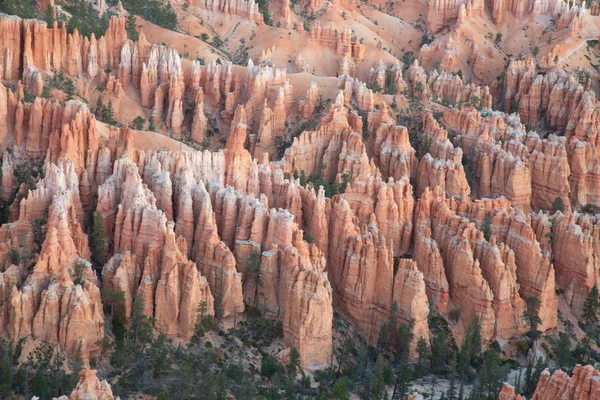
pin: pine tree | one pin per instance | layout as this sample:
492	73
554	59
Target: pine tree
253	273
131	28
7	369
562	352
116	299
378	388
433	385
99	110
491	373
590	307
423	352
529	384
70	89
247	390
532	375
49	15
204	321
403	339
99	243
159	356
151	126
294	364
451	392
302	178
340	390
532	318
558	205
486	228
403	380
139	123
108	113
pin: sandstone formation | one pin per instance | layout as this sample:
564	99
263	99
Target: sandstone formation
246	9
584	383
90	387
332	176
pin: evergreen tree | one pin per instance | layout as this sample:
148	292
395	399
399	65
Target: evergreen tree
108	114
340	391
433	385
532	318
441	352
99	110
139	123
70	89
532	375
151	126
253	273
529	384
423	352
140	330
403	380
347	347
491	373
131	28
247	390
558	205
204	321
378	388
451	392
116	299
49	15
7	369
159	356
486	228
302	178
590	307
582	351
294	364
562	352
99	243
403	338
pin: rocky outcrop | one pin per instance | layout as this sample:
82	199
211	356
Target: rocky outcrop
391	205
393	153
59	302
343	42
446	86
584	383
216	261
150	262
448	175
555	95
441	13
508	393
244	8
575	249
363	274
200	122
90	387
33	44
302	301
306	107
